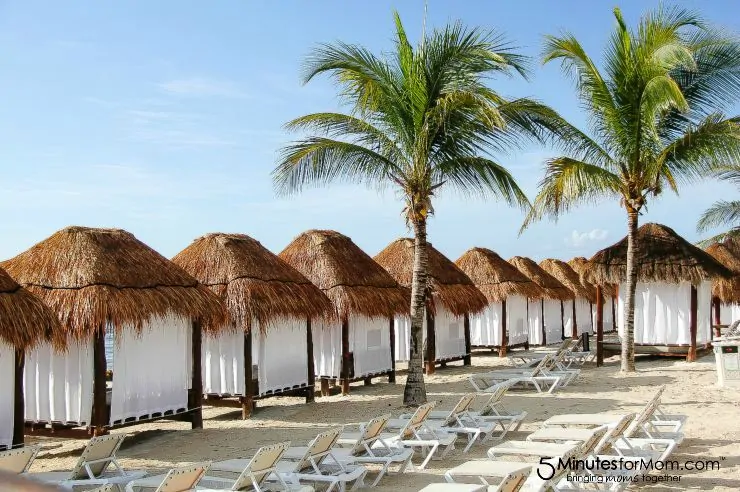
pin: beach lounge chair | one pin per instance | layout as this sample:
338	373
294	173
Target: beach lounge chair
529	359
105	488
493	410
509	475
18	460
454	487
92	467
180	479
368	449
538	376
534	449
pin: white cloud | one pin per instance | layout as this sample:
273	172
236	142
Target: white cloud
202	87
579	239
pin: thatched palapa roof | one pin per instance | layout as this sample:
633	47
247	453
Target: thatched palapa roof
662	256
495	277
346	274
253	282
569	278
580	265
92	277
726	290
449	285
24	319
551	287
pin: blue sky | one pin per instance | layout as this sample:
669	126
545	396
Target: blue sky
164	118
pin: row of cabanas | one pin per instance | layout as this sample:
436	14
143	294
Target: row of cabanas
228	319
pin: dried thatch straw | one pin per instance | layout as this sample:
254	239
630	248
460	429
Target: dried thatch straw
662	256
551	287
346	274
495	277
24	319
580	264
449	285
569	278
253	282
91	277
726	290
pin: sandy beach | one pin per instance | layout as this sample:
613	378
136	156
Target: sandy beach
712	431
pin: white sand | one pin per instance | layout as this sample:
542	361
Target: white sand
712	431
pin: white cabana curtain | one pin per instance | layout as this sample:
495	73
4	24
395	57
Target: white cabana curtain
370	343
7	394
663	313
223	363
485	327
449	332
516	319
327	348
402	325
151	372
534	322
729	313
553	322
58	387
281	355
606	316
584	318
567	320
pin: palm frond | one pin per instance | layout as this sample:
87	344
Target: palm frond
721	214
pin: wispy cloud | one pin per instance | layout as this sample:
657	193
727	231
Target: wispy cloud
579	239
203	87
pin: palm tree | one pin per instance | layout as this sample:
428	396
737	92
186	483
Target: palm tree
656	120
420	119
722	213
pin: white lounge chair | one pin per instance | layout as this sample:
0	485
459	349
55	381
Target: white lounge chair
533	449
536	376
92	467
180	479
18	460
509	475
493	410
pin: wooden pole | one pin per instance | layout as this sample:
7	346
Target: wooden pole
526	344
346	361
19	407
196	387
717	316
504	331
100	407
310	369
542	317
599	326
467	360
392	331
247	400
562	320
431	354
574	330
691	356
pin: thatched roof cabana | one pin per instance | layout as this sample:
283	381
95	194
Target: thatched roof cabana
550	286
727	290
253	282
495	277
449	285
569	278
662	256
24	319
91	277
347	275
580	265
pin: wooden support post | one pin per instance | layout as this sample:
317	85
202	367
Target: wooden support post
526	344
392	330
467	360
693	319
574	330
599	327
504	331
562	320
431	355
614	314
325	387
310	369
345	357
195	403
99	420
19	407
542	314
717	317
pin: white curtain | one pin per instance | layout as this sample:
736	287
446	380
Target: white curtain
584	319
735	313
725	314
150	370
449	333
58	387
327	348
606	316
516	319
370	343
535	321
553	322
281	355
402	326
485	327
223	363
568	320
704	313
7	394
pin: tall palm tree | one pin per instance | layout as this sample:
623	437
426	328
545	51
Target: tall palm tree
655	111
420	119
722	213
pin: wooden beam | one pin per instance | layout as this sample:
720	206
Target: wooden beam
99	420
717	317
392	331
247	400
467	360
195	402
693	319
574	330
599	326
431	355
526	344
614	314
542	317
504	331
346	361
562	320
19	407
310	369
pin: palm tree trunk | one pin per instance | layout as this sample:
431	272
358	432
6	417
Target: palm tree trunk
415	392
628	337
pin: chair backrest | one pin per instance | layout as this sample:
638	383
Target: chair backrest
261	465
371	431
416	421
318	449
97	455
462	406
183	478
734	329
642	417
545	364
497	393
564	345
18	460
512	482
589	445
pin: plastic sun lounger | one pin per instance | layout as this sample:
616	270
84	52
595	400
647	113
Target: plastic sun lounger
176	480
536	377
493	410
92	466
18	460
529	359
510	475
548	449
